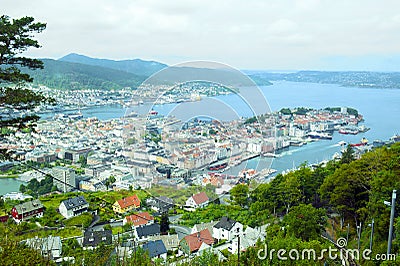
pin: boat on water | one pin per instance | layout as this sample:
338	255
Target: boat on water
395	138
72	116
363	142
132	114
319	135
349	130
342	143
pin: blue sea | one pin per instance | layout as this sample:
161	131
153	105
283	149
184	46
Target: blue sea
380	108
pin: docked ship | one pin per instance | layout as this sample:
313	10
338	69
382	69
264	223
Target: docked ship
349	130
319	135
363	142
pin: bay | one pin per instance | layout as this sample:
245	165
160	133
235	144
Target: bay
380	108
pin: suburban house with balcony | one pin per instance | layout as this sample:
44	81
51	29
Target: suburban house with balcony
73	207
227	229
126	204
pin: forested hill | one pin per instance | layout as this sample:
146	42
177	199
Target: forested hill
136	66
67	75
75	71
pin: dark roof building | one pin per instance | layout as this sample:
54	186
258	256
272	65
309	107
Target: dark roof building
225	223
73	207
160	204
147	230
94	238
156	249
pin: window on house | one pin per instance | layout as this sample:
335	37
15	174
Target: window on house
104	238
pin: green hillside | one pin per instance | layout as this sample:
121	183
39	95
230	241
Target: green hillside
136	66
66	75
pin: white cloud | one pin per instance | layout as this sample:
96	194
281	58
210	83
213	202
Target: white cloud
247	34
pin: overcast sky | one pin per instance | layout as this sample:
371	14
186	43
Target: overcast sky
246	34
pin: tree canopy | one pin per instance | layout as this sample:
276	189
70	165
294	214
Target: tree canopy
17	101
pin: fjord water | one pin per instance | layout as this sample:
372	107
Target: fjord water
380	108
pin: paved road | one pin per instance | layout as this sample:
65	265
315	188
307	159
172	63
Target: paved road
113	224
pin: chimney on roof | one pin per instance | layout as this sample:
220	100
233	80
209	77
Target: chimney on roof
198	234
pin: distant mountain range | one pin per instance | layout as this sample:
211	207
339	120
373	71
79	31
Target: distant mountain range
75	71
81	72
136	66
362	79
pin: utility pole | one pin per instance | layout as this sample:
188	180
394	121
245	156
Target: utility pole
372	234
391	222
238	250
359	236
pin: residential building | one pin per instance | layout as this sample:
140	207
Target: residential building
64	178
73	207
202	226
27	210
139	219
160	204
198	200
156	249
171	242
192	243
92	185
126	204
49	246
142	233
227	229
91	239
248	238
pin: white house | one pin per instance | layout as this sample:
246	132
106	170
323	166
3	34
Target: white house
198	200
248	238
73	207
227	229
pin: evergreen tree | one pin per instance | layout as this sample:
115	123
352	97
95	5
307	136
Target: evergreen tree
16	36
164	223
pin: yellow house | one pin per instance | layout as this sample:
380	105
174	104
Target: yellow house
126	204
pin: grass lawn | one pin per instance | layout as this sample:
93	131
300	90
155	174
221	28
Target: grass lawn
84	219
63	233
116	230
